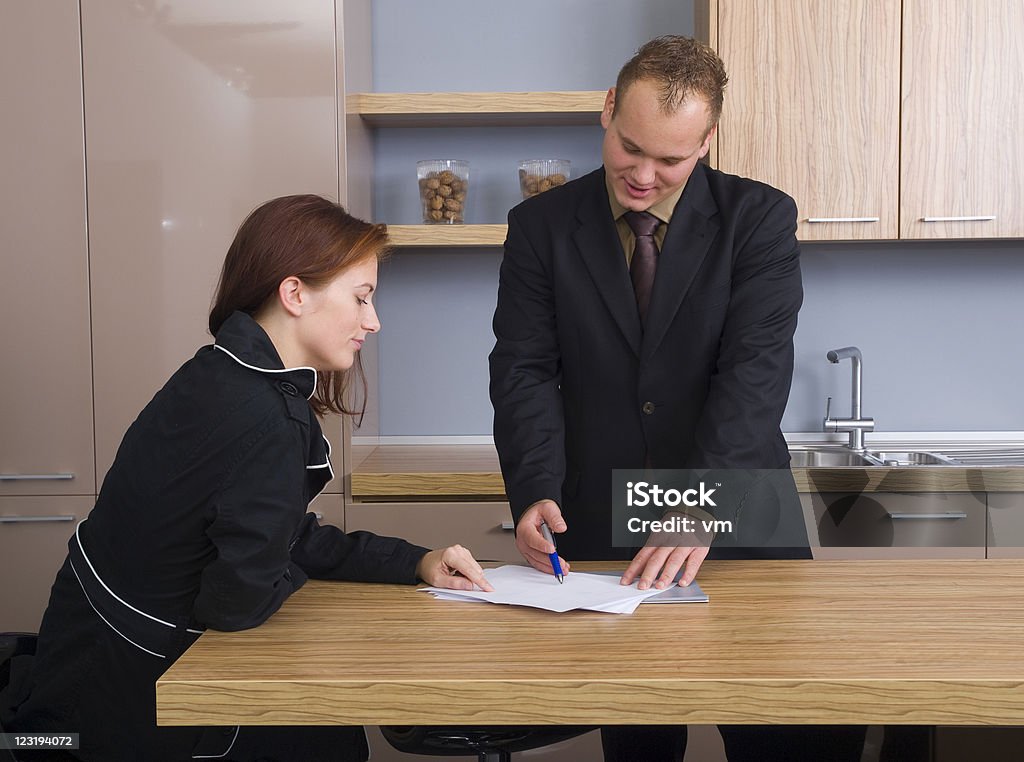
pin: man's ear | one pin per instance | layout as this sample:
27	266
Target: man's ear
706	146
609	107
291	293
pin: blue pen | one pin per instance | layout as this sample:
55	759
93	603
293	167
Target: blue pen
554	556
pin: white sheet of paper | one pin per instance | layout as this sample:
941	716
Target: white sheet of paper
525	586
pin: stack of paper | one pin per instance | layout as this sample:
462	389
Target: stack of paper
525	586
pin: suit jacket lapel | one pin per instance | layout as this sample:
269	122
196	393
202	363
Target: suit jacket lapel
601	252
687	241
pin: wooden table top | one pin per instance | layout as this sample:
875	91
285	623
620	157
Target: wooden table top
899	642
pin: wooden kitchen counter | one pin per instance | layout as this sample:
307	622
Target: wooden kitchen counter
471	471
875	642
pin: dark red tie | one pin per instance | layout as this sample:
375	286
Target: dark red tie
645	257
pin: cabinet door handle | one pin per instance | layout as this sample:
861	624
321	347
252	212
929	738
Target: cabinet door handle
842	219
34	477
966	218
33	519
941	515
507	526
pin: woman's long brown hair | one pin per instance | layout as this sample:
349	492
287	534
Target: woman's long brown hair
313	239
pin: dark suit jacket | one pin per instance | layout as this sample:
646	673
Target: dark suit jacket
579	388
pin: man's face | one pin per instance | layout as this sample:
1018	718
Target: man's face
648	154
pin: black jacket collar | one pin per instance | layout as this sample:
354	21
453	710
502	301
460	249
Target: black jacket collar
245	341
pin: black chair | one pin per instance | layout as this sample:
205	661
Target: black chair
13	645
489	743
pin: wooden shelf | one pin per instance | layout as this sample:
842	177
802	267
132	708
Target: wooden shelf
579	107
421	471
447	235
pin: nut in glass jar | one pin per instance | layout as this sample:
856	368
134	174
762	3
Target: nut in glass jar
539	175
443	184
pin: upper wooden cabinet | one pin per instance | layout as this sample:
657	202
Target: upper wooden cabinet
962	119
901	115
812	107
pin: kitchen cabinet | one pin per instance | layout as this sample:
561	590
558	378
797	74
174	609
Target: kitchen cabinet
222	108
47	477
962	158
34	534
484	527
894	116
886	525
46	373
1005	525
812	108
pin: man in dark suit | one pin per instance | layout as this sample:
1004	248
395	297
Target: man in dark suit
645	318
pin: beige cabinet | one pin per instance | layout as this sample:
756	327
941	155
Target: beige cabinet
46	373
899	115
47	476
483	527
1006	525
34	533
223	107
962	157
890	525
812	108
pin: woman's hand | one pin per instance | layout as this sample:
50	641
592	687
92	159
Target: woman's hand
453	567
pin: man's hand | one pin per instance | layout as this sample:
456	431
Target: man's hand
531	543
453	567
658	565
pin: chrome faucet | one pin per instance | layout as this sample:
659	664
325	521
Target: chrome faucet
856	424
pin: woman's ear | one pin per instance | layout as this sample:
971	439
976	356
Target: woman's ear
291	295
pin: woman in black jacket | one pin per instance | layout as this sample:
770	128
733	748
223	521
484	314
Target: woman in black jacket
201	521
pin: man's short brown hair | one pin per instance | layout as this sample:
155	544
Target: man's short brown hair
683	68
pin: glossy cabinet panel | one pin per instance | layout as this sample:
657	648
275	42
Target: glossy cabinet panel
196	113
34	534
46	372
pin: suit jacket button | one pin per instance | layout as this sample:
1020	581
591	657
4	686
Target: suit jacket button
289	389
648	408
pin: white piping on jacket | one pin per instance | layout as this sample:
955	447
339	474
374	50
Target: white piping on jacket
269	370
120	600
107	621
223	753
285	370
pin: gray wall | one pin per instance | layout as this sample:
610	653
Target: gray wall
939	323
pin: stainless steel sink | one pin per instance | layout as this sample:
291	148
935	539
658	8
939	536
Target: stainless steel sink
1008	456
963	456
829	457
913	458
